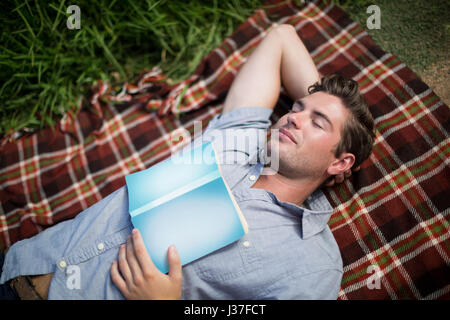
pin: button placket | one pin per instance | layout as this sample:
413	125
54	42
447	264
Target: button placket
249	252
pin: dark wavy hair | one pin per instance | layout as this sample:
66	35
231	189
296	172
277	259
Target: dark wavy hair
358	134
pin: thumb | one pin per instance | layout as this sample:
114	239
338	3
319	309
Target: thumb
174	264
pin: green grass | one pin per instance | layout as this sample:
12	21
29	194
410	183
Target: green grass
415	31
45	67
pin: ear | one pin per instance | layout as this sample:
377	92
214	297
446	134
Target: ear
341	164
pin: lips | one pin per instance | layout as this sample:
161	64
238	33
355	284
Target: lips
288	134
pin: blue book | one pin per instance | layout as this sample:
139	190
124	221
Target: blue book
184	201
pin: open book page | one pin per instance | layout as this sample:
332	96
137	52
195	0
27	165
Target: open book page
170	177
197	223
198	216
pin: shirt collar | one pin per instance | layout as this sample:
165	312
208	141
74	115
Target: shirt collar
315	214
316	218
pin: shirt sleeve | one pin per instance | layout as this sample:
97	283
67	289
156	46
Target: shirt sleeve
243	118
238	135
320	285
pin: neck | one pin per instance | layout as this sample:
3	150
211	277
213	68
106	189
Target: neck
286	189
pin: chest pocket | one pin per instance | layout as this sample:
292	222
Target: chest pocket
230	262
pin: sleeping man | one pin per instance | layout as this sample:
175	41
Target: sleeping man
289	251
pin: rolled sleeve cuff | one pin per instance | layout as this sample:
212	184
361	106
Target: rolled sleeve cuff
247	117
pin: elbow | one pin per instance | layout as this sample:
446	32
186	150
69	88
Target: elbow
287	33
285	29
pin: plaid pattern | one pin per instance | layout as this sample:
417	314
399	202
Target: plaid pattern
391	219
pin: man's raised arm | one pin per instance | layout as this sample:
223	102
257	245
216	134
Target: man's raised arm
280	57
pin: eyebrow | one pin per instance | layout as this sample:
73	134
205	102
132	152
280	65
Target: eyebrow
316	113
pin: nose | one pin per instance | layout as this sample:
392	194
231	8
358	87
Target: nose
295	120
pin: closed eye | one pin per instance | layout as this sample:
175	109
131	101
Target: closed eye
315	124
298	106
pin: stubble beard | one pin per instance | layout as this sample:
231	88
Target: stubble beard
292	163
288	165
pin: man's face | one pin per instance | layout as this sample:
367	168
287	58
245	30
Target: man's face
314	125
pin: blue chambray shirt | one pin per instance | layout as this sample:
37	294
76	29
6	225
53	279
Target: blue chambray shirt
288	253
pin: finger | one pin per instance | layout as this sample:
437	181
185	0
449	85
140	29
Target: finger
143	257
132	261
329	182
174	264
117	278
123	265
339	178
347	174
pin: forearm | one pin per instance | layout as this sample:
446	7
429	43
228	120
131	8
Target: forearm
280	58
298	70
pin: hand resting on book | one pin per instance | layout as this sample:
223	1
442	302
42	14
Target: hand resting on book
137	277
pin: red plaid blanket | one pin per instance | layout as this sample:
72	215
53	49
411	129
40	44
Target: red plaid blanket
391	219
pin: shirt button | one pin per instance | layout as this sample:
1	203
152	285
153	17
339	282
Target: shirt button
246	244
62	264
100	246
252	178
